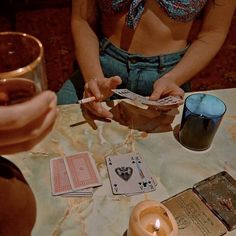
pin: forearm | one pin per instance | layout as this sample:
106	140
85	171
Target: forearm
215	26
197	57
86	50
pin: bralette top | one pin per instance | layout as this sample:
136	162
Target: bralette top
179	10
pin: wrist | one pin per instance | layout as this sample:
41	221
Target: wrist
173	78
97	77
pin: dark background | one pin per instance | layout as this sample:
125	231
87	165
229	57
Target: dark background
49	20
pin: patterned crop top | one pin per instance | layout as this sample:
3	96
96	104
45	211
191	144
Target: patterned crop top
180	10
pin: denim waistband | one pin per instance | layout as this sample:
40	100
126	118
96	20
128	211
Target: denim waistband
124	56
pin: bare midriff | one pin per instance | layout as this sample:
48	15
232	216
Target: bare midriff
155	34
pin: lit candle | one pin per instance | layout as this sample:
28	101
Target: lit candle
154	228
151	218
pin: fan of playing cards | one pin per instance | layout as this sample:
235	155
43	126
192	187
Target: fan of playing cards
167	101
129	174
74	175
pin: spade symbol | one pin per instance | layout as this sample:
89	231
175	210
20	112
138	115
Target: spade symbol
124	172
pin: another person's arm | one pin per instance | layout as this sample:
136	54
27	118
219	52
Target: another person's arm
84	25
24	125
216	22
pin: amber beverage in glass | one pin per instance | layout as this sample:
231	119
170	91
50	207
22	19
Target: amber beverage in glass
22	67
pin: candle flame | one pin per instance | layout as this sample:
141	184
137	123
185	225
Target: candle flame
157	225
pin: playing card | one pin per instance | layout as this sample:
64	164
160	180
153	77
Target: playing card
88	192
128	174
167	101
127	93
148	181
170	100
148	178
82	171
131	95
59	178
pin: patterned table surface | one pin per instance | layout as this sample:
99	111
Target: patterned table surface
134	128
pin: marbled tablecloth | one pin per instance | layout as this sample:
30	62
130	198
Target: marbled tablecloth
152	134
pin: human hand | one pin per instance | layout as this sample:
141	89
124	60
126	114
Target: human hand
101	89
165	87
25	124
143	119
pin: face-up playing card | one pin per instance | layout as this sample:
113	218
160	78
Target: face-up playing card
82	171
129	175
129	94
59	177
167	101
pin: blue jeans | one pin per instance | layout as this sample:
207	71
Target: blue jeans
138	73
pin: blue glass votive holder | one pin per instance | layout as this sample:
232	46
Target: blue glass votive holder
201	118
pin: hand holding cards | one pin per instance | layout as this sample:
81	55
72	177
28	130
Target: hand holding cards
74	175
167	101
129	175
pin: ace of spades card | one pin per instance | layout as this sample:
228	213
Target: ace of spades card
129	175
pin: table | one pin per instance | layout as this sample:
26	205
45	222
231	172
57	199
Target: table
150	134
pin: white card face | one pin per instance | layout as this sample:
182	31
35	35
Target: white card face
131	95
149	181
167	101
59	178
128	94
170	100
128	175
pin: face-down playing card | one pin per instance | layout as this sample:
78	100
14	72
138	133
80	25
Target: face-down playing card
60	181
82	171
59	178
129	175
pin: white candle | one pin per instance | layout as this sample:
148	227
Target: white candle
151	218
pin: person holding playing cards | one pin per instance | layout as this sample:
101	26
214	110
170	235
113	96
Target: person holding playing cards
142	45
21	127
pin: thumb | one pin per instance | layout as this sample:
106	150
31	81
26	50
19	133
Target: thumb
156	94
114	81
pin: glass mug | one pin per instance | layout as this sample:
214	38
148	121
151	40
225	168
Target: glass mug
201	117
22	67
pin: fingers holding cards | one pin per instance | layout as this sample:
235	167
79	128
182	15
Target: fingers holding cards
167	102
